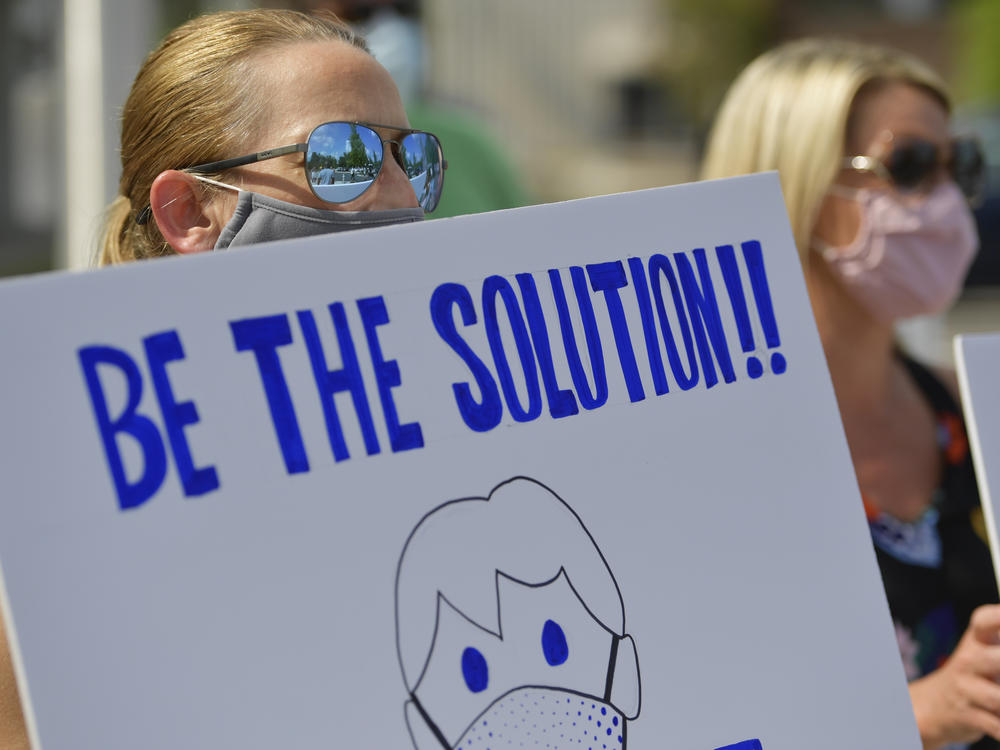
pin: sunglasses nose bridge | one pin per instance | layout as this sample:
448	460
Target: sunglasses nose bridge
394	148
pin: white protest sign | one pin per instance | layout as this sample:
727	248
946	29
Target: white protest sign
563	476
977	361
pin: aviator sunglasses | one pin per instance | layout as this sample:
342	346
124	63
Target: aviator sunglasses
343	159
914	163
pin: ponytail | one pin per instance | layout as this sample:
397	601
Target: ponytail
113	245
123	240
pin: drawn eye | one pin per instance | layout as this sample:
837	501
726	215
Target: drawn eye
554	644
474	670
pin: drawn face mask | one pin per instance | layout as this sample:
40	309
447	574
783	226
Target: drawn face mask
260	218
907	258
546	717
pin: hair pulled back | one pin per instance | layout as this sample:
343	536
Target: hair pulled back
789	110
194	100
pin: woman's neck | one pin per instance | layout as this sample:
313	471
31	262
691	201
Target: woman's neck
860	350
888	422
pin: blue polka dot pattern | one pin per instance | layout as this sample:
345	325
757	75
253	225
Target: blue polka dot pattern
554	644
474	670
545	719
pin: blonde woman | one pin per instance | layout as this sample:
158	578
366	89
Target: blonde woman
248	126
876	188
257	125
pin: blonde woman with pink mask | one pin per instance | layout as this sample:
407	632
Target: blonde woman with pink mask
877	190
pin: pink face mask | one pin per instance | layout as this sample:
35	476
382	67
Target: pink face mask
908	258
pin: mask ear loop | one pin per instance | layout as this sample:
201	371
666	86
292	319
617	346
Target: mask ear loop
825	249
217	183
144	215
612	661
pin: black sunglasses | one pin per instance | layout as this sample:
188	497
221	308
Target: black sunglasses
343	159
913	164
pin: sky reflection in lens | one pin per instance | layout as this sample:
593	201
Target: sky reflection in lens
343	159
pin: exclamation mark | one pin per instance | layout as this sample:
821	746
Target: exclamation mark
734	285
754	258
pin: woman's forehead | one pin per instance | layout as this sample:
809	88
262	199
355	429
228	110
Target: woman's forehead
314	82
899	108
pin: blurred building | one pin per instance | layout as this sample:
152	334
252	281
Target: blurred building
67	68
586	96
570	85
565	84
31	158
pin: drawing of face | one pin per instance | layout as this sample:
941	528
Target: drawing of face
515	657
547	678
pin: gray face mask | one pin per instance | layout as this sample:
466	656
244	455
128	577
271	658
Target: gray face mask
260	218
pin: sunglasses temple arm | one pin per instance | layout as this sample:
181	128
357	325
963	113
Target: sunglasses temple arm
867	164
217	166
239	161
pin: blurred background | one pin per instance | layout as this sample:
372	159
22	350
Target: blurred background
535	100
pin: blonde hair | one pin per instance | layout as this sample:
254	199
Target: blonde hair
194	100
790	110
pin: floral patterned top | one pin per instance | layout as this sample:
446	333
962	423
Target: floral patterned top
936	570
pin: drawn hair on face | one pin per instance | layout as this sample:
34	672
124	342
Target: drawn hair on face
459	550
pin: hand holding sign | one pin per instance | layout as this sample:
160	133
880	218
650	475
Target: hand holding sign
960	702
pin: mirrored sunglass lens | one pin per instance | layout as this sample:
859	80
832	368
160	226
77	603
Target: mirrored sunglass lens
342	160
420	158
912	163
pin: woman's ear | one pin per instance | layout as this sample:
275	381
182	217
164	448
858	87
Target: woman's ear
187	222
